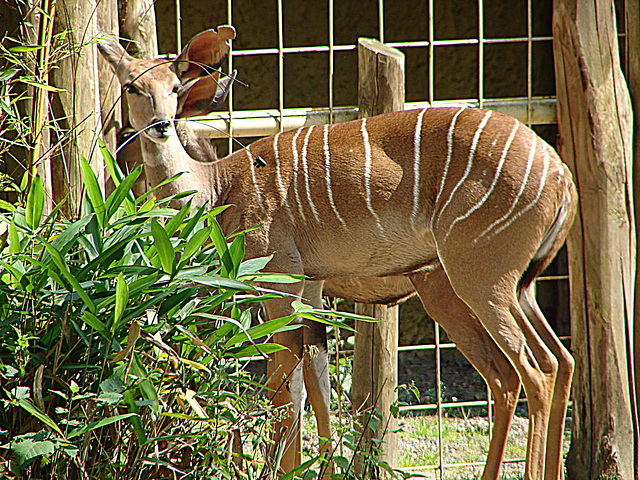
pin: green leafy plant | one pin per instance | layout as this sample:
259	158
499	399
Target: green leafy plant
120	335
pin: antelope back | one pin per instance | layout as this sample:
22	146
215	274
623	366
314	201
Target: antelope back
384	195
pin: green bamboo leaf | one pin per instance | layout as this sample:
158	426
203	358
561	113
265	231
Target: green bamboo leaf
93	190
299	469
25	48
95	323
194	244
7	206
253	350
17	274
253	265
64	270
99	424
114	169
267	328
172	225
163	246
122	192
15	246
44	86
236	252
269	277
135	419
147	389
6	75
219	241
39	414
216	281
122	297
35	203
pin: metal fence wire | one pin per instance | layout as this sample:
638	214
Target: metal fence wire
431	56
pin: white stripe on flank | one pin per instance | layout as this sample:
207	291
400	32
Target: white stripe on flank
517	198
543	180
416	165
449	155
306	172
283	192
472	152
253	176
367	171
327	166
295	172
493	183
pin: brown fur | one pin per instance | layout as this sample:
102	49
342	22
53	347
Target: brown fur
481	221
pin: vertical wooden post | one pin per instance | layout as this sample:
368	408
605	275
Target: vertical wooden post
77	105
109	85
595	122
375	362
138	24
632	16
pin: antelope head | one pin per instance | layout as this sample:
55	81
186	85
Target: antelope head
159	91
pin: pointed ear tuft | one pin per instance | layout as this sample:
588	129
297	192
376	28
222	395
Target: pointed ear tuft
113	52
204	54
204	95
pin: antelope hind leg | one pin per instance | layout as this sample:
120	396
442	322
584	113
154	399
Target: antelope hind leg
474	342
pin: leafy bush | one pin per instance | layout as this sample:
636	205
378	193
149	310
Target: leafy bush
119	340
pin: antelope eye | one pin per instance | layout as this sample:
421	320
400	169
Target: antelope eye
176	89
132	90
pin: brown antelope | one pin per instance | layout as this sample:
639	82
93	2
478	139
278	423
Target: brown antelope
463	206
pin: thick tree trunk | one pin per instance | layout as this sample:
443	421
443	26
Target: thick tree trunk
77	107
375	360
595	121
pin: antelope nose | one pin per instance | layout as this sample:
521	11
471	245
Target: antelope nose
162	126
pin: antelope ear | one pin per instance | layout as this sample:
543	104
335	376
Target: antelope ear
113	52
204	54
198	97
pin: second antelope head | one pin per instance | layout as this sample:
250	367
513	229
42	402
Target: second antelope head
159	91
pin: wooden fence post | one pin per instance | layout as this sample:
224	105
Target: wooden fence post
595	122
632	73
77	105
375	362
109	86
138	24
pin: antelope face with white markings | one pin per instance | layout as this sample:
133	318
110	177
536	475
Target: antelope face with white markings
152	90
158	91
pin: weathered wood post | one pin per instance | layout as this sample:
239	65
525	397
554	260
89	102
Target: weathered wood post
76	105
375	361
109	86
595	121
138	24
632	73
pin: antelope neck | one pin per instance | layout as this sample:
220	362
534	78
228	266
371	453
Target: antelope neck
165	160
